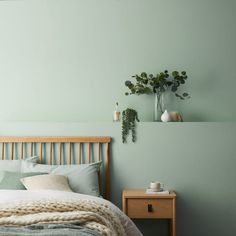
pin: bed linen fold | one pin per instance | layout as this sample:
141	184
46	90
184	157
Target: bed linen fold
90	214
48	230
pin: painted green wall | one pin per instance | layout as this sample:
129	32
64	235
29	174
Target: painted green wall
196	159
67	60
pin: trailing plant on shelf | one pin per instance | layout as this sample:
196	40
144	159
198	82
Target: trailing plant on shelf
158	84
129	118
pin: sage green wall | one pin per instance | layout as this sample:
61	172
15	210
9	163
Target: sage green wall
196	159
66	60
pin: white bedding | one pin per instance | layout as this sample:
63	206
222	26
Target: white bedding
9	196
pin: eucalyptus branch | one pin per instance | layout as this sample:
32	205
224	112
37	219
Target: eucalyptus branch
147	84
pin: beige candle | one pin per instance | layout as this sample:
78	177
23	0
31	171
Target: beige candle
116	115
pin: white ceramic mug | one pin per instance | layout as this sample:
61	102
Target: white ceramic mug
155	185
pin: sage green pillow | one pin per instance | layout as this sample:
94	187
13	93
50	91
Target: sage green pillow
15	165
82	178
10	165
12	180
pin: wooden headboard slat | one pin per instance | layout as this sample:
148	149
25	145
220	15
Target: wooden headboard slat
107	167
50	161
69	153
41	152
12	151
79	152
3	150
61	154
21	150
31	149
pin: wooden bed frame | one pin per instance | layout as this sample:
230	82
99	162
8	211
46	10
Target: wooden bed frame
73	140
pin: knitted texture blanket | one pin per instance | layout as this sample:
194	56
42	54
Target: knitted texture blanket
90	214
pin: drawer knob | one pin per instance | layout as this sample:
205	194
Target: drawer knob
150	209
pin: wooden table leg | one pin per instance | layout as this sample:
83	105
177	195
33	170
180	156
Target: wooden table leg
173	220
172	227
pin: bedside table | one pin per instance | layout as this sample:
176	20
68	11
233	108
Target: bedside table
139	205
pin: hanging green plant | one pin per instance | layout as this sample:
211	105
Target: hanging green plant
129	118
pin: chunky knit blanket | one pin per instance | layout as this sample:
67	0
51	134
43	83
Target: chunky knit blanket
90	214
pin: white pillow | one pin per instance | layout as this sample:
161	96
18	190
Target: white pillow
52	182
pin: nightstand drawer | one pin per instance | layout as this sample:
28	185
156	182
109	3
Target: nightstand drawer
150	208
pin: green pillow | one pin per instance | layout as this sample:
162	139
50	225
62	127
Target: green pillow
82	178
15	165
11	180
10	165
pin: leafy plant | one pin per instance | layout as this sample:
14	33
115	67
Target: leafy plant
129	118
147	84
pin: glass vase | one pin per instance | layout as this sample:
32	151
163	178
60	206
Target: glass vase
159	106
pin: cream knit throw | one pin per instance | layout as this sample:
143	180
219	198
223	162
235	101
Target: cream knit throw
90	214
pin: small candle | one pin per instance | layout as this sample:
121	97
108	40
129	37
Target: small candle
116	115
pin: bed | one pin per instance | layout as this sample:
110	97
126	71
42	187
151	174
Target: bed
58	186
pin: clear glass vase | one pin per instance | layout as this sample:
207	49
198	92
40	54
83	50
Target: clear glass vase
159	105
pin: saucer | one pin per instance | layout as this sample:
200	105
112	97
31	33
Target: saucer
154	190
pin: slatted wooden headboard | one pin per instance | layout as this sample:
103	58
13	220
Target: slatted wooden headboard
62	143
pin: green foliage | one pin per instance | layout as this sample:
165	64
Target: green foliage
129	118
147	84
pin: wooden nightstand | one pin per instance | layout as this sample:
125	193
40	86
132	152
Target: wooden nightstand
139	205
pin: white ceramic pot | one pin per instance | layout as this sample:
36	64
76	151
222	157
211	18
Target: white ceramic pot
165	117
